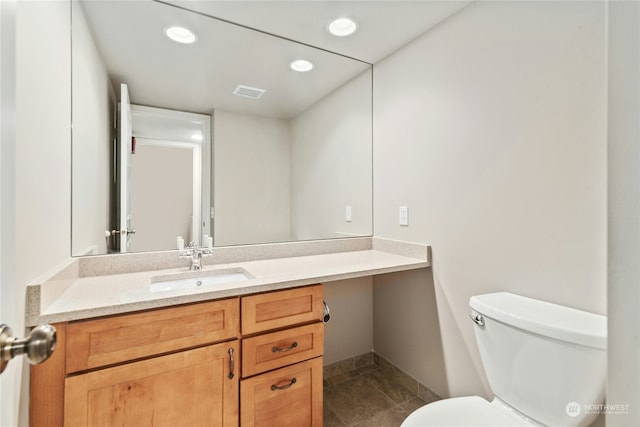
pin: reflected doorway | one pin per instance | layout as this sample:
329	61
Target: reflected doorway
169	179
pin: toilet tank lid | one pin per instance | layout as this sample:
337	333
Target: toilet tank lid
544	318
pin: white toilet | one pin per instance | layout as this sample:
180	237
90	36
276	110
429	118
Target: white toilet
546	365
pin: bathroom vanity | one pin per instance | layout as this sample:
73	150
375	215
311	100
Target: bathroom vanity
170	366
240	353
185	365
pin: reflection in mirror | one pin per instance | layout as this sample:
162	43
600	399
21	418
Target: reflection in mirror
222	138
169	180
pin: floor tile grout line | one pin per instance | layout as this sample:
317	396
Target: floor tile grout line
380	390
341	420
358	374
336	413
411	393
395	405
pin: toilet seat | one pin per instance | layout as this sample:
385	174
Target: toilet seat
465	411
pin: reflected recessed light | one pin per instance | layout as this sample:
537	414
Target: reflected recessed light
343	27
180	35
301	65
197	136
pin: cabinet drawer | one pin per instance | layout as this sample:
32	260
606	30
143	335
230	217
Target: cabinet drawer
270	351
287	397
280	309
117	339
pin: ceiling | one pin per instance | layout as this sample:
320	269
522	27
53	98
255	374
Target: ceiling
201	77
384	26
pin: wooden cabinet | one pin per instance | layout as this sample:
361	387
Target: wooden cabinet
254	360
163	367
281	309
102	342
287	397
188	388
269	351
281	382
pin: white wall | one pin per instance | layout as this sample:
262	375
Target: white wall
350	331
42	166
491	128
92	104
624	210
9	381
250	179
331	164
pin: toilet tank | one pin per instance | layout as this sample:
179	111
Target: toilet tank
545	360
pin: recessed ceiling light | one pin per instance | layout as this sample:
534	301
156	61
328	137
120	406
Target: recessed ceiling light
343	27
301	65
180	35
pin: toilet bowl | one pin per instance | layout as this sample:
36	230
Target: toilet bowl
467	411
544	362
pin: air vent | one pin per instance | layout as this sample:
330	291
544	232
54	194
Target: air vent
249	92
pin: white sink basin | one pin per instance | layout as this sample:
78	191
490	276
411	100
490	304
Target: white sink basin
198	279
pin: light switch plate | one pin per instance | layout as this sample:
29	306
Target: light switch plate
348	214
403	213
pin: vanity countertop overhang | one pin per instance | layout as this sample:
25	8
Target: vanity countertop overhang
81	296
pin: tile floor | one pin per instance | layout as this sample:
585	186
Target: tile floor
367	396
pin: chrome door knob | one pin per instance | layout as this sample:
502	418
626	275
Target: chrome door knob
37	347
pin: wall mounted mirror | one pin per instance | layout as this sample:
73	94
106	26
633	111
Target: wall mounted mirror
217	137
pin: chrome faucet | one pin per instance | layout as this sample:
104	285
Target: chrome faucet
196	259
195	253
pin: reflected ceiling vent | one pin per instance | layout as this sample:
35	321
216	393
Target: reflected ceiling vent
249	92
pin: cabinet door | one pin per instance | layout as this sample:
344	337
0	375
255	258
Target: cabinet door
190	388
287	397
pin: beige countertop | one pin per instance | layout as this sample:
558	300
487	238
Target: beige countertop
74	298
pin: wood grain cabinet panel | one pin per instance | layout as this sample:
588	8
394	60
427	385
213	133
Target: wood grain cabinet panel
273	310
108	341
287	397
46	391
189	388
270	351
171	366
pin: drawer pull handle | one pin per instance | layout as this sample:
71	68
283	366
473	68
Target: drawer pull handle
275	349
231	364
283	387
